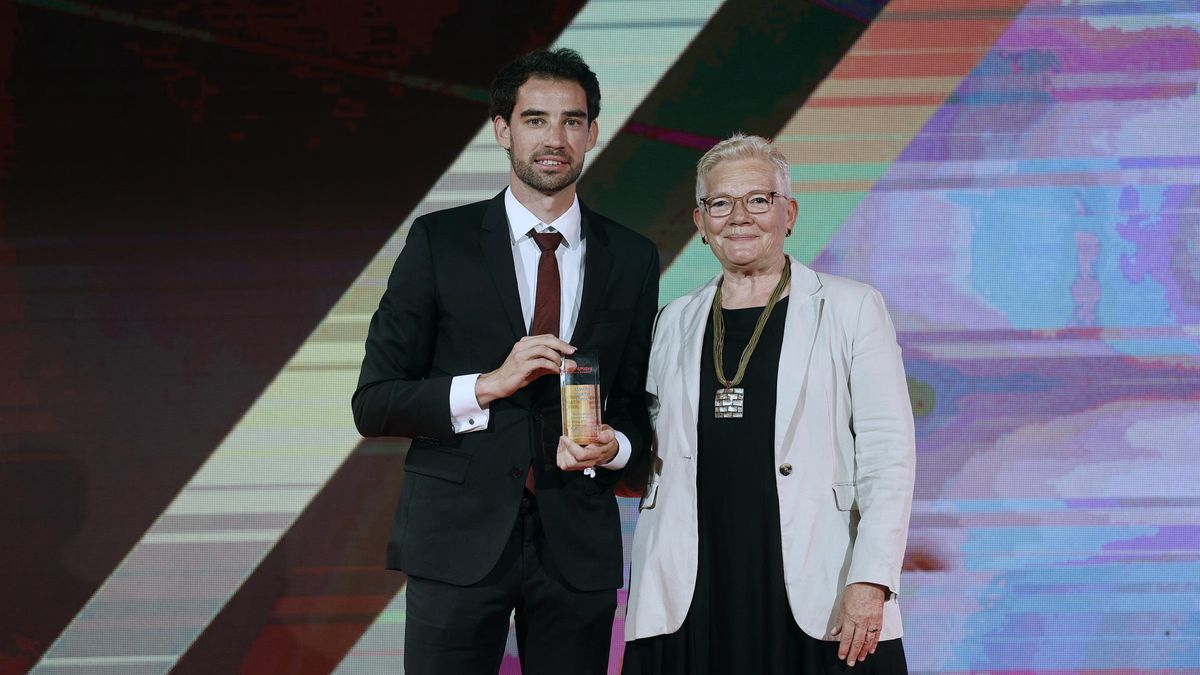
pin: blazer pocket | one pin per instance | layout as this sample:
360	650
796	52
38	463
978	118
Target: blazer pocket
649	497
446	464
845	494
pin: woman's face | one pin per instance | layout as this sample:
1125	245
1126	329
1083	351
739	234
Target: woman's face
742	240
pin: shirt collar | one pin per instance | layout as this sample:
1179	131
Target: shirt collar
521	220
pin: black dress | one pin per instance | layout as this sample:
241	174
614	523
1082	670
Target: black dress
740	620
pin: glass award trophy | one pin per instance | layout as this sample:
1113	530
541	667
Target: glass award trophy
579	394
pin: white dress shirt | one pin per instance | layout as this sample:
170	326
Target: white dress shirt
466	415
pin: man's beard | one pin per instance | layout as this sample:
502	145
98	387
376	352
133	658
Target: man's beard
527	172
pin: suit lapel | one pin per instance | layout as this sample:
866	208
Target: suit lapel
598	262
692	322
799	335
497	251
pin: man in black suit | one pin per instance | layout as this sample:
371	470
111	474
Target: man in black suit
498	511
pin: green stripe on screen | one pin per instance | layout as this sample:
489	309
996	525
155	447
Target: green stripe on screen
822	172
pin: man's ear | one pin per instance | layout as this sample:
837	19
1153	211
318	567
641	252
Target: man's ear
593	134
503	132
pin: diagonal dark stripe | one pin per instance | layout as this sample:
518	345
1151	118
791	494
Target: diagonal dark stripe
750	69
321	586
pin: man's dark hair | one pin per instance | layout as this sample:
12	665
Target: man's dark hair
553	64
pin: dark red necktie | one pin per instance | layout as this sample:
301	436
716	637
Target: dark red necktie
546	306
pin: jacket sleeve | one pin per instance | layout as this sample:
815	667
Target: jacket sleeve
884	447
625	407
396	395
638	474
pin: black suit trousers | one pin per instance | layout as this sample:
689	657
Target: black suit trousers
463	629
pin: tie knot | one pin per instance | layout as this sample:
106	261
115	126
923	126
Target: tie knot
547	241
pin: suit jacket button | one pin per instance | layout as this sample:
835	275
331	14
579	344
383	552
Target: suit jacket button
785	469
516	472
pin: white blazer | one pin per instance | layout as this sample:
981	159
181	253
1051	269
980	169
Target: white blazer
844	444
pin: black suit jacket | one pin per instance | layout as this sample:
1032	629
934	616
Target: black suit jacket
452	308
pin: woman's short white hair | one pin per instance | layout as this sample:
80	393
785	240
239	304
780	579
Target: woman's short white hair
741	146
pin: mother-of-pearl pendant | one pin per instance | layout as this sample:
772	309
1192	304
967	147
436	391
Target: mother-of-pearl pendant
729	402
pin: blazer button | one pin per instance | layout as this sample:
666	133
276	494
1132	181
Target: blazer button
785	469
516	472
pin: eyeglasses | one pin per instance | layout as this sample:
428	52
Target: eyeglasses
755	202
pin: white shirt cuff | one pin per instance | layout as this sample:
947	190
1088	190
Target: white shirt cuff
624	450
465	414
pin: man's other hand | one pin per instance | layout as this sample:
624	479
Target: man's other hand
531	357
575	457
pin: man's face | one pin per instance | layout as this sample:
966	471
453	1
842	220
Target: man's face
743	239
548	135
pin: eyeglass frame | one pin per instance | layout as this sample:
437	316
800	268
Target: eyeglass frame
771	195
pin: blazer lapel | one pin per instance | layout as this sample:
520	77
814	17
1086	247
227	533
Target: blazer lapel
597	264
497	251
799	335
692	322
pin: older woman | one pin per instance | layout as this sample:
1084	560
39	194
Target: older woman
772	532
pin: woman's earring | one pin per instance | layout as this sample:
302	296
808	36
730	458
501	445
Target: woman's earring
704	240
789	233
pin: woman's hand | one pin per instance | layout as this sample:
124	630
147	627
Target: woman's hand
859	622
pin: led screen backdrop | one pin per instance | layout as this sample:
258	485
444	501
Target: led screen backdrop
201	202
